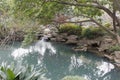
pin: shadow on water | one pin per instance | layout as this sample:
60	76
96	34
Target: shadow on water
67	62
59	60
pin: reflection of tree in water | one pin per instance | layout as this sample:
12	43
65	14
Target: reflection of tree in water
31	58
109	75
56	65
64	62
67	62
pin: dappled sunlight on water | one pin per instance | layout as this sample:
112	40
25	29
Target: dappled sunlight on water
104	68
59	60
40	47
95	68
20	52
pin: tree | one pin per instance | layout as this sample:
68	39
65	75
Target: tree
45	10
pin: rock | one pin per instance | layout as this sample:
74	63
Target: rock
117	61
104	46
82	42
118	65
64	34
49	35
93	43
108	40
72	42
60	39
72	37
46	31
54	34
53	29
108	57
117	54
53	39
80	49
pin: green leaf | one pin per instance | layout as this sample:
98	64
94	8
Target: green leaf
10	74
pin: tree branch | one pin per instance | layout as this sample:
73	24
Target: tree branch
94	5
73	21
100	25
75	4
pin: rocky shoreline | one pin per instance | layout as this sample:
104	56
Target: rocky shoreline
99	46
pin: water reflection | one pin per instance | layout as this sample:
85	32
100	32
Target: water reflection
82	64
20	52
59	60
104	68
40	47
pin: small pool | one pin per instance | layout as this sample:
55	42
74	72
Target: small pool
59	60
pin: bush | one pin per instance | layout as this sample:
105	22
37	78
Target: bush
92	32
73	78
70	29
20	72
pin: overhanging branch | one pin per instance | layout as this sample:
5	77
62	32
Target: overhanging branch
83	21
94	5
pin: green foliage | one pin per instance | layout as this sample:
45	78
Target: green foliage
30	36
108	25
115	48
92	32
73	78
92	12
19	72
40	10
70	29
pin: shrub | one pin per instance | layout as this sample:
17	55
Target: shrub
19	72
92	32
73	78
70	29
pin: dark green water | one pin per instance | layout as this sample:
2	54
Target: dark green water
58	61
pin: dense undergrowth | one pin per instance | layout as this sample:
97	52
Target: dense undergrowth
18	30
70	29
89	32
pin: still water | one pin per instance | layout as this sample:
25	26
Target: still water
58	61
